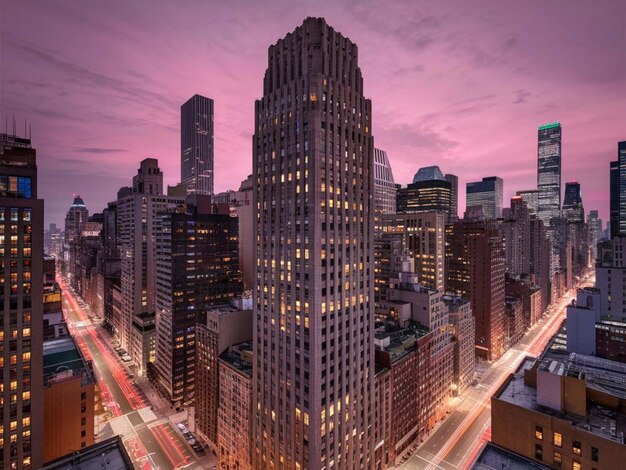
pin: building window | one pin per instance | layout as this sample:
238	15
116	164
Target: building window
539	433
594	454
576	465
538	452
576	447
557	457
557	439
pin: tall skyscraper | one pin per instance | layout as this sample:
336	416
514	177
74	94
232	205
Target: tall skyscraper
549	172
573	210
618	192
384	185
313	300
486	194
453	216
21	289
136	218
196	145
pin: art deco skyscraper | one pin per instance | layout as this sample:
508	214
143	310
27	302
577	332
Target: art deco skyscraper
313	299
196	145
21	303
549	172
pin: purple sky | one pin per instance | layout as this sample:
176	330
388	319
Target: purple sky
459	84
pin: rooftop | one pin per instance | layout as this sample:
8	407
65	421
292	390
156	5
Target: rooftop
602	421
239	357
106	455
390	337
62	359
493	457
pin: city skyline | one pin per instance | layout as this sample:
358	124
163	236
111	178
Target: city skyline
92	119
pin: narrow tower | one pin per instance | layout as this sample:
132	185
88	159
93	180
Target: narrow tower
313	298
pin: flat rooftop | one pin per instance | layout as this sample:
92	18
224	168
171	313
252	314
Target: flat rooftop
62	358
237	357
493	457
106	455
605	422
390	337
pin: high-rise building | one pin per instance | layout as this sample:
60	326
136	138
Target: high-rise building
424	196
136	218
424	241
453	216
618	192
21	336
384	187
549	172
531	198
475	265
486	194
196	145
516	231
314	172
430	191
197	266
573	210
595	229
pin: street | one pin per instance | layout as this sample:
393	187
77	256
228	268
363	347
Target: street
150	439
459	438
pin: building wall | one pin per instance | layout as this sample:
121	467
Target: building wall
513	428
424	237
68	417
213	337
234	423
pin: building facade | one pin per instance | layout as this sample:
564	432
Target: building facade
313	165
197	145
235	407
486	194
21	301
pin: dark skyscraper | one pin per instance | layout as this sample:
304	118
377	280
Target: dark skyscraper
454	197
618	192
197	266
573	210
196	145
21	297
549	171
313	299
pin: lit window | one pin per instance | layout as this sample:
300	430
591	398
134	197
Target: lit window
557	439
576	447
557	457
576	465
539	432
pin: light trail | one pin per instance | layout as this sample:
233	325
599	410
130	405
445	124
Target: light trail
507	363
81	327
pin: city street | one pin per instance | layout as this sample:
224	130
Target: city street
151	441
458	440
